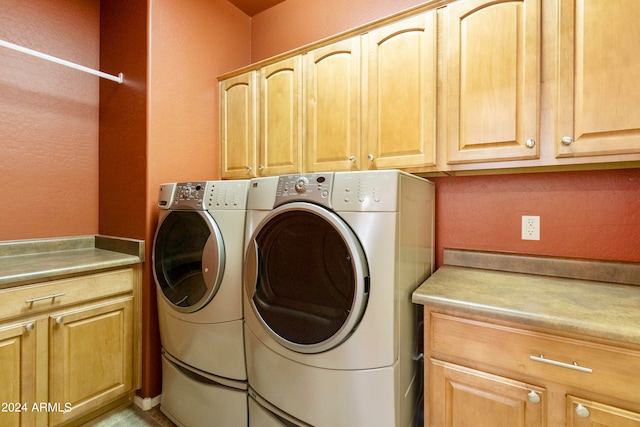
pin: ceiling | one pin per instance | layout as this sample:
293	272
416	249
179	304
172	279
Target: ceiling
253	7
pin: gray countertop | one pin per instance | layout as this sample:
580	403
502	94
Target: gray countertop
608	311
30	261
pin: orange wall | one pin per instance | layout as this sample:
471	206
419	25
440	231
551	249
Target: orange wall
48	120
590	214
294	23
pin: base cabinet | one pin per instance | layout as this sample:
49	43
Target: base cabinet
17	366
484	374
473	398
93	344
73	353
585	413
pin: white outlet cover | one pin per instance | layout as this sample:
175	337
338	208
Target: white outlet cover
530	227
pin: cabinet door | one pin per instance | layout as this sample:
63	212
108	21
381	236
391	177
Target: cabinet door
91	357
598	68
238	126
280	117
461	397
492	80
401	96
585	413
332	116
17	374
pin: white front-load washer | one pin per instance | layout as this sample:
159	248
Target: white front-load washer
331	262
197	265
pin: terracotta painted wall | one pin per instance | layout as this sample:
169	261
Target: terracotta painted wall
590	214
49	120
294	23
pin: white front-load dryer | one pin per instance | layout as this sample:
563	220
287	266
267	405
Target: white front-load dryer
331	262
197	266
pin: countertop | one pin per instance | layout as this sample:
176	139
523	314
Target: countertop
604	310
30	261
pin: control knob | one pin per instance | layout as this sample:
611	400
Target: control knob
301	184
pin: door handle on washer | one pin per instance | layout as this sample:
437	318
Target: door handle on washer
251	268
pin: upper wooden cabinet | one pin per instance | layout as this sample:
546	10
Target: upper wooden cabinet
400	103
598	110
456	87
238	126
491	82
280	117
332	117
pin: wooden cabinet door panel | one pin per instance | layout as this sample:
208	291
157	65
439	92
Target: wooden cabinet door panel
280	117
598	68
238	126
594	414
332	117
401	97
91	357
17	374
462	397
492	80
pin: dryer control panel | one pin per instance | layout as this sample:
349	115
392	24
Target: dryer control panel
312	187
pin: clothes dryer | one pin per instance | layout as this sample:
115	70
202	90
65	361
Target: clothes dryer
197	266
331	261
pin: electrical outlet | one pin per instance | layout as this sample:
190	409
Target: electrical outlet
530	227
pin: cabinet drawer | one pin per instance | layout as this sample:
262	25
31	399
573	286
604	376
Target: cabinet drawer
599	368
28	299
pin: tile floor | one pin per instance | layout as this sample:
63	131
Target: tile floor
132	416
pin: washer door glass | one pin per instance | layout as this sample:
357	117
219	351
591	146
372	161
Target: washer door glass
188	259
307	277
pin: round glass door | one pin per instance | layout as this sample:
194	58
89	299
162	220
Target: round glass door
188	259
307	277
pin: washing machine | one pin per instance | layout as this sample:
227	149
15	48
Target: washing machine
330	263
197	265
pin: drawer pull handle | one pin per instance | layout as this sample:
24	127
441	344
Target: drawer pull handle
573	365
581	411
533	397
59	320
52	296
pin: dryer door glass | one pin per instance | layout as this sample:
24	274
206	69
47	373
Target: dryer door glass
312	281
188	259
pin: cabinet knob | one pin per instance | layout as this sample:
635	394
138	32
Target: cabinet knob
370	157
30	326
530	143
352	159
581	411
249	168
59	319
533	397
567	140
261	167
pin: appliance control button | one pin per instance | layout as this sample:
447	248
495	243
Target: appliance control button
301	184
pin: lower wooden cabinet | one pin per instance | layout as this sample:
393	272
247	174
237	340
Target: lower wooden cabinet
484	374
94	346
467	397
585	413
71	356
17	368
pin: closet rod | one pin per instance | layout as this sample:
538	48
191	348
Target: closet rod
119	78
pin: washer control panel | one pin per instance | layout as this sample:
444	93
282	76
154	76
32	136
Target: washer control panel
314	187
201	195
188	195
